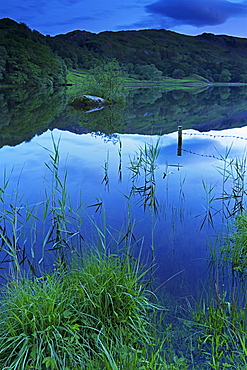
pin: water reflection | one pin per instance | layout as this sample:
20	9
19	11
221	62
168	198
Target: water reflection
172	207
25	113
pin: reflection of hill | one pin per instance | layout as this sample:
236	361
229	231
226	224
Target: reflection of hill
215	108
152	111
238	119
25	113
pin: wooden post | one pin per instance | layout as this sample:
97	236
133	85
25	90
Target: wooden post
180	129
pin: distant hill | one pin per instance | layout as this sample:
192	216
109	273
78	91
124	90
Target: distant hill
28	57
217	58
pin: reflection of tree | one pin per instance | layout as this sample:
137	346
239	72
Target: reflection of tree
144	95
225	93
153	111
108	120
26	112
178	94
4	115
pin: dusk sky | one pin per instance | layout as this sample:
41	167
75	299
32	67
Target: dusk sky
190	17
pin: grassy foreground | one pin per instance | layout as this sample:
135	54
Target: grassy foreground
98	314
94	315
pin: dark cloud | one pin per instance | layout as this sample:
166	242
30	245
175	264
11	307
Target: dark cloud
198	13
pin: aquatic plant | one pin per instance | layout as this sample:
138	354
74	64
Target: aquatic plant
222	327
91	311
142	167
50	226
234	250
233	174
106	176
120	174
209	209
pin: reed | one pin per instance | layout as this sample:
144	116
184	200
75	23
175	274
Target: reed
234	250
210	209
222	334
233	174
142	168
106	175
33	235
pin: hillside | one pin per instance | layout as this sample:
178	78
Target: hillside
25	58
28	57
217	58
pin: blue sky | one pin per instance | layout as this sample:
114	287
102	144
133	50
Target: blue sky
190	17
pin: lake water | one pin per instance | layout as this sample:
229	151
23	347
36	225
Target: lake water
171	210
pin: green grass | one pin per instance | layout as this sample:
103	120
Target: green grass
234	252
222	337
75	316
193	80
76	77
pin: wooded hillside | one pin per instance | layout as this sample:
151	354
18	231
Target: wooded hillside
217	58
26	56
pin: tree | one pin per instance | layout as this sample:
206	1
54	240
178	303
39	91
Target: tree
3	60
178	73
148	72
243	78
108	83
225	75
24	61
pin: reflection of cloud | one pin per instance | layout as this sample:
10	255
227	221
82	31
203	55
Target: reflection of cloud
198	13
202	147
197	148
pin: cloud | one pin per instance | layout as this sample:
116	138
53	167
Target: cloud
65	22
143	23
198	13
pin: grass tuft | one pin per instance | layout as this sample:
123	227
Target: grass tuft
73	317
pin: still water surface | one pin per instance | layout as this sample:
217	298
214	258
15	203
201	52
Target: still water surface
98	150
